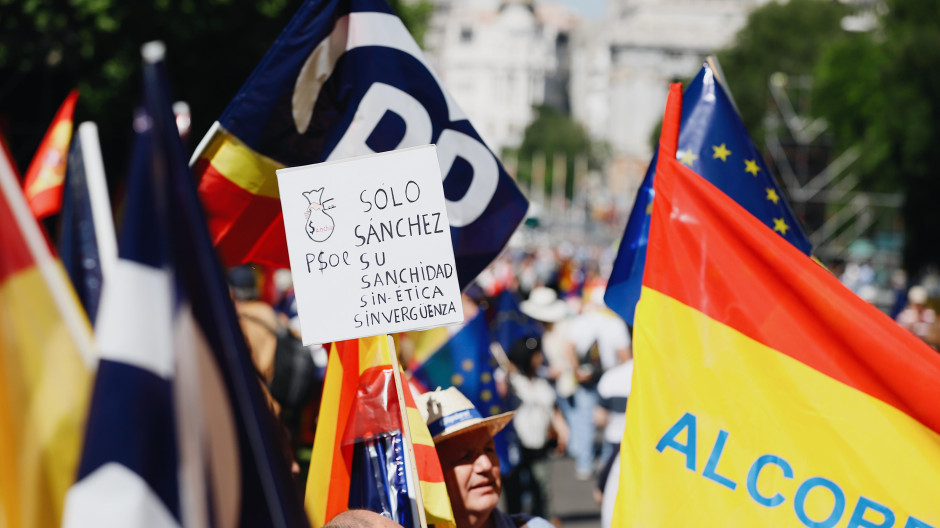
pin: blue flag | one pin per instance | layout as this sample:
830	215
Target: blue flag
78	242
179	433
510	324
344	79
714	143
465	362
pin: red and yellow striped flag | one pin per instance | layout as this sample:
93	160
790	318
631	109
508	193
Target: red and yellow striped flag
44	383
765	393
359	402
45	177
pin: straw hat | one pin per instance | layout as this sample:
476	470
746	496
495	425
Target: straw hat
448	412
917	295
544	305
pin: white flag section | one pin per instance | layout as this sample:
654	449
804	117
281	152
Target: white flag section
179	433
160	353
136	351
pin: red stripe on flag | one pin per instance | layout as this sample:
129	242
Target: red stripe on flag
376	410
429	469
16	255
426	459
45	176
790	304
338	499
244	227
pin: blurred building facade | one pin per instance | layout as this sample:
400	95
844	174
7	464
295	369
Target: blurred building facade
499	58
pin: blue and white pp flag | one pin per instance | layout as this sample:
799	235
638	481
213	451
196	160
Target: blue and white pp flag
714	143
344	79
178	433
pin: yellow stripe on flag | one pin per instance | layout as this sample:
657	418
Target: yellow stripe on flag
374	352
436	501
426	343
44	389
324	448
241	165
710	439
437	504
419	429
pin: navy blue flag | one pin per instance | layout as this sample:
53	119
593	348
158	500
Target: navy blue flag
179	433
78	242
344	79
714	143
510	324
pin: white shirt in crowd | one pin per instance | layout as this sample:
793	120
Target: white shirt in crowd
534	414
604	327
614	389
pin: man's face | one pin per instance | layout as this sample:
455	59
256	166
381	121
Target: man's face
471	472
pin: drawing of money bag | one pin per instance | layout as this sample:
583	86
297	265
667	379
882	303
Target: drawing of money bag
319	224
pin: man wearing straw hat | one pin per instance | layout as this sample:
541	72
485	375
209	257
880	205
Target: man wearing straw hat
464	442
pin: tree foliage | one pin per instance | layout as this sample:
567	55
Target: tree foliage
881	91
48	47
555	132
786	37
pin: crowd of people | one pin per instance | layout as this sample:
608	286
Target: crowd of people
908	304
567	380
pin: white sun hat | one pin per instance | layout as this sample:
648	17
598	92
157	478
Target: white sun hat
448	412
544	305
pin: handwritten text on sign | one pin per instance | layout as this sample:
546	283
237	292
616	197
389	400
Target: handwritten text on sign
369	244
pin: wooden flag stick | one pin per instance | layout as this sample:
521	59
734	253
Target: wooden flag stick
406	433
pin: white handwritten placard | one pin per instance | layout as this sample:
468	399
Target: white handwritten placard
369	245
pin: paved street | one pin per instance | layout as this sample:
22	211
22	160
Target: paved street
572	499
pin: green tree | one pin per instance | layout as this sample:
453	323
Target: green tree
778	37
555	132
48	47
880	91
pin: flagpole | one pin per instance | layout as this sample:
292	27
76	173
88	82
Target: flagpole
712	61
49	268
406	432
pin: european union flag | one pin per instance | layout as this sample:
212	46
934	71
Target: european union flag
465	362
178	433
714	143
509	323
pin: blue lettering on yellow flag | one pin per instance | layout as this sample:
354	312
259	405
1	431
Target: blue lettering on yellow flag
867	513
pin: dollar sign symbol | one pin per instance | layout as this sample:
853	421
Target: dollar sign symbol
319	224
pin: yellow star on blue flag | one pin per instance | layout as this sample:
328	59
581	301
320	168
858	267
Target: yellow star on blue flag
715	145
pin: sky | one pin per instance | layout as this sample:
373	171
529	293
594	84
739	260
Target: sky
586	8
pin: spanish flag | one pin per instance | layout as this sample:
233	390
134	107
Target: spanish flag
45	177
45	350
765	393
359	427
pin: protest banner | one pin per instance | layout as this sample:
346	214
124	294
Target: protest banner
371	254
369	246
